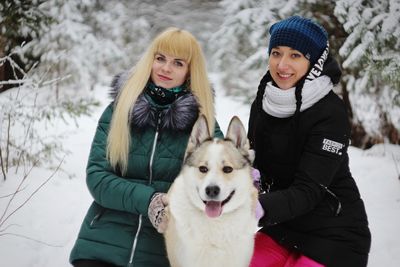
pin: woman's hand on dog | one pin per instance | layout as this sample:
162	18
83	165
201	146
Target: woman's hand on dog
255	174
156	211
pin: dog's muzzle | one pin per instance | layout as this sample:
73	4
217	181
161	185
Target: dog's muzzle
213	208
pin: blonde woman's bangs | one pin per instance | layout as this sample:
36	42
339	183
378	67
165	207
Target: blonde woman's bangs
175	43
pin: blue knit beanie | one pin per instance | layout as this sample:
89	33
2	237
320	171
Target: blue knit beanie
301	34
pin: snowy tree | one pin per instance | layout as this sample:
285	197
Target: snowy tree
20	22
373	43
69	50
93	40
90	40
120	28
372	64
240	44
32	105
25	112
200	17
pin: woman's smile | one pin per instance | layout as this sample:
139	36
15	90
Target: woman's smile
287	66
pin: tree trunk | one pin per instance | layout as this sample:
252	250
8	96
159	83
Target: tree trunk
2	66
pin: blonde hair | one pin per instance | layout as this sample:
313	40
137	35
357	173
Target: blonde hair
174	42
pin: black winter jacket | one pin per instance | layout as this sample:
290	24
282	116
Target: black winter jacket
313	204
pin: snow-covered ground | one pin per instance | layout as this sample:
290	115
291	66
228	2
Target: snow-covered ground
42	232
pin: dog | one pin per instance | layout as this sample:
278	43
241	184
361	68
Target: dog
211	210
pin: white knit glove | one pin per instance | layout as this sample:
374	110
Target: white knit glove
156	212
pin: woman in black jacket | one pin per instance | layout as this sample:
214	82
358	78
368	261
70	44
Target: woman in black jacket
299	128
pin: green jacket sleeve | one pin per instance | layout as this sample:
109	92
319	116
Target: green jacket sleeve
107	188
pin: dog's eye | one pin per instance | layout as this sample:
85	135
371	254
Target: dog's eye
203	169
227	169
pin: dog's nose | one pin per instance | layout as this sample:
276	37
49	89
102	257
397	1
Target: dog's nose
212	191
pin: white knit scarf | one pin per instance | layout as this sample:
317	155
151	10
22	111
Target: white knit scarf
282	103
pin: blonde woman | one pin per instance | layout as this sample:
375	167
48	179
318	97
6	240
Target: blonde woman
138	150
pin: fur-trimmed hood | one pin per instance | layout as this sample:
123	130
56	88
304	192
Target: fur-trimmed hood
178	116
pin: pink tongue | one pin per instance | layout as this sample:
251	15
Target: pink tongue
213	209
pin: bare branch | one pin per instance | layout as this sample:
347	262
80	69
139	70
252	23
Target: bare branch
395	164
26	137
33	193
15	66
13	196
9	195
33	239
14	82
2	165
8	226
8	141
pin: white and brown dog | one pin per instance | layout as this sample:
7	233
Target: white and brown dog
212	202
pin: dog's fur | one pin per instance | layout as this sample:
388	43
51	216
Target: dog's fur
216	172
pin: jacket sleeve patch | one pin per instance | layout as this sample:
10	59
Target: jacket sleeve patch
332	146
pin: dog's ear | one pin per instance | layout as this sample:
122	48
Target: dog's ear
237	134
200	131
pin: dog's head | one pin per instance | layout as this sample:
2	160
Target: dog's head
217	172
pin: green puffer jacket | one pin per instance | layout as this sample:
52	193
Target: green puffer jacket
116	228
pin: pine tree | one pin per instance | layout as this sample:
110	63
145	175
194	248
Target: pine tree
239	45
372	63
69	50
21	21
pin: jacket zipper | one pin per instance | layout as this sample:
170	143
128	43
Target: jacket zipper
153	149
97	217
130	264
338	209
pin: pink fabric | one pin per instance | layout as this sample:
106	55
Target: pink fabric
268	253
259	211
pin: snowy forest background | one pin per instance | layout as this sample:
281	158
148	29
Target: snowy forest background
54	53
66	47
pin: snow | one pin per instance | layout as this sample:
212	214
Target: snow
54	214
